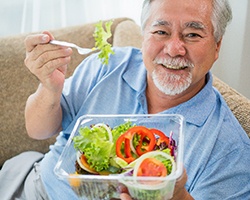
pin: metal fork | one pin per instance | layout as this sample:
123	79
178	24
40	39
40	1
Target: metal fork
80	50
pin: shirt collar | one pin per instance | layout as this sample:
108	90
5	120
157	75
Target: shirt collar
135	75
195	110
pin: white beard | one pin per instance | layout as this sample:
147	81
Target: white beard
171	84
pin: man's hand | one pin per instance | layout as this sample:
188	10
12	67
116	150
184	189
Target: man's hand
125	196
46	61
43	114
179	192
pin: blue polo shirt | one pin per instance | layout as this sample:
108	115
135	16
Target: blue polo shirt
217	150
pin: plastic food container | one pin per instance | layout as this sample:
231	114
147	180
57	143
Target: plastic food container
105	186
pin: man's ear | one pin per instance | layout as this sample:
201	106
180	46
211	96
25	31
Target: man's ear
217	50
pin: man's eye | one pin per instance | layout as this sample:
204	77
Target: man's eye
160	32
193	35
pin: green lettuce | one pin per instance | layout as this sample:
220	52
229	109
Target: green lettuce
101	36
94	143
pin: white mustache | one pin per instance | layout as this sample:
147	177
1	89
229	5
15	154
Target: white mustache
174	63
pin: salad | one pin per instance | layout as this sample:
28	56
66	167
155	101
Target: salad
128	149
101	36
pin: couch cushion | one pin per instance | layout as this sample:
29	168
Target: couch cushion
239	104
127	33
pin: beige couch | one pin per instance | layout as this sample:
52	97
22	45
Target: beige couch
17	83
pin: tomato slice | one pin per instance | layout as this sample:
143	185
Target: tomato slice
162	137
152	167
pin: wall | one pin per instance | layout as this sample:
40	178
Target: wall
233	65
36	15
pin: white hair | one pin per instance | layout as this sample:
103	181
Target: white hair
221	16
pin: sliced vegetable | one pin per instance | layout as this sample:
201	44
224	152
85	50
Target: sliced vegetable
147	139
123	144
146	143
107	129
172	145
159	155
132	146
120	162
152	167
95	144
82	161
161	136
129	149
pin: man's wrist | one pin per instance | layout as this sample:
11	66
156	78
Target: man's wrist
183	195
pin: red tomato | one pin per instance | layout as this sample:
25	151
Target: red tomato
152	167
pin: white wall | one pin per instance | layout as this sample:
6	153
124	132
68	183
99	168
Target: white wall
36	15
233	65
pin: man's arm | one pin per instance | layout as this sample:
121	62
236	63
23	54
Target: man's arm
43	114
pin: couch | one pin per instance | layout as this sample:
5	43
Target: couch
17	83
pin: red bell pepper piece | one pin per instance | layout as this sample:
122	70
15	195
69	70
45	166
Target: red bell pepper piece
125	138
147	139
146	143
162	137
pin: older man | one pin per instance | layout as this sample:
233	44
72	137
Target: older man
170	74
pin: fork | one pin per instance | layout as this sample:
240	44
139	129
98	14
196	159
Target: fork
80	50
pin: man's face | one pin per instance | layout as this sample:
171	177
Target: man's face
178	45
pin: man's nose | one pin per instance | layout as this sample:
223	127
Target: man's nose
175	46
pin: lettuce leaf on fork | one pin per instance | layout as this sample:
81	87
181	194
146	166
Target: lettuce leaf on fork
101	36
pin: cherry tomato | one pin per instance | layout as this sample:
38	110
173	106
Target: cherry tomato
152	167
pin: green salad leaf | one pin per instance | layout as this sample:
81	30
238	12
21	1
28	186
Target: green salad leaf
101	36
95	144
166	162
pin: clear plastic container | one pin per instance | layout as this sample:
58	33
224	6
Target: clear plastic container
105	186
